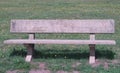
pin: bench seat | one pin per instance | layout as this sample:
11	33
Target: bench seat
58	41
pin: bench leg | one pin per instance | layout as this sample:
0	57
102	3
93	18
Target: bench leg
30	49
92	54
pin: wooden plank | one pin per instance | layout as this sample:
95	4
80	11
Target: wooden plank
63	26
92	54
58	41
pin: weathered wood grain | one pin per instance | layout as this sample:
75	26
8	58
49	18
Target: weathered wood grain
63	26
58	41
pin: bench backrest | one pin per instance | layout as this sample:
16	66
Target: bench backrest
63	26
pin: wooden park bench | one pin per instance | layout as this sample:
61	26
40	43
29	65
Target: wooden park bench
91	26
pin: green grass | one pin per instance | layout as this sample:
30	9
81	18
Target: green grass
12	56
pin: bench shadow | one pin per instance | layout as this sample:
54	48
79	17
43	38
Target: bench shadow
65	54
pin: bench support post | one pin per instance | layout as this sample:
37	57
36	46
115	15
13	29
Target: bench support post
92	49
30	49
92	54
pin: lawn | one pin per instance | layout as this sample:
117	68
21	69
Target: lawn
59	58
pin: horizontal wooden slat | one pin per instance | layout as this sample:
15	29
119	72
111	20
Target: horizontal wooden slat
63	26
58	41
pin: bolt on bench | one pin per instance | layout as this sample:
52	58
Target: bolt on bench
91	26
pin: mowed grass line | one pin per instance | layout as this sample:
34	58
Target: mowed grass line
58	9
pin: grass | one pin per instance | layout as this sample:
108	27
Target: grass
12	56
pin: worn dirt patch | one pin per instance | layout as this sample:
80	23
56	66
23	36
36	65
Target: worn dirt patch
15	71
115	61
40	71
106	65
43	68
76	72
76	64
61	71
42	65
96	64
